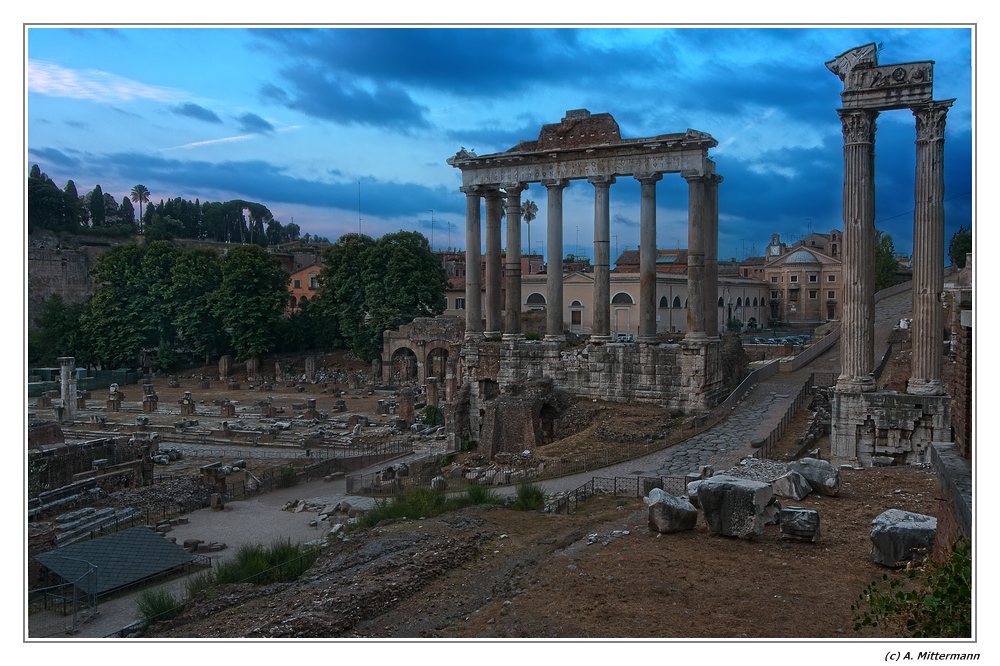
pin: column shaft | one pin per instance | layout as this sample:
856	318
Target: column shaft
857	338
710	222
494	320
473	261
554	261
601	326
696	259
647	257
512	314
928	251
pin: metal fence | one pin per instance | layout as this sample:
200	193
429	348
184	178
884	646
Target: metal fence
619	486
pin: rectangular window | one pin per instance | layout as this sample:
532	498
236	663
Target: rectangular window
297	284
831	278
774	278
576	317
813	278
793	294
459	303
793	278
774	295
813	293
313	282
831	295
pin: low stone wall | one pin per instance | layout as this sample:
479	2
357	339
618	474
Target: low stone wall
954	515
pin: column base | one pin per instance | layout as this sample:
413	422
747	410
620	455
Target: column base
696	336
555	338
855	384
648	339
473	336
601	339
510	337
925	387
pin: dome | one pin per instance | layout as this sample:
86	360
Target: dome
802	257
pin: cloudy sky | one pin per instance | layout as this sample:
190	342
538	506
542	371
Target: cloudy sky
341	129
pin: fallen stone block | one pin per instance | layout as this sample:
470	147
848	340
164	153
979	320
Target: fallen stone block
668	514
901	536
733	506
799	524
823	477
792	485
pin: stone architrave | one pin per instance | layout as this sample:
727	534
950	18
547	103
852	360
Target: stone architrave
901	536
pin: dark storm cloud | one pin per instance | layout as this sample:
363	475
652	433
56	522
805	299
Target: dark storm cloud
53	156
252	123
257	180
197	112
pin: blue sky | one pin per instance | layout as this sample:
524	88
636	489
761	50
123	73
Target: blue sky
341	129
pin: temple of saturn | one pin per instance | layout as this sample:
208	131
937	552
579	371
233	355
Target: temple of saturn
867	422
496	357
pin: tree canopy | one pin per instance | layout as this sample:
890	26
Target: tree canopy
960	246
251	299
370	286
886	264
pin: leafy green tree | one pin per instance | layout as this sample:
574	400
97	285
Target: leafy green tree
251	299
140	195
369	286
97	210
46	202
126	213
886	264
54	333
960	246
197	275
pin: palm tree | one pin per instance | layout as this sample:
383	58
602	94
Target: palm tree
140	195
529	209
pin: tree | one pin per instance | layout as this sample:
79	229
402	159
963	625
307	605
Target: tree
251	299
54	333
369	286
886	264
76	213
140	195
46	202
197	275
126	214
960	246
97	210
529	209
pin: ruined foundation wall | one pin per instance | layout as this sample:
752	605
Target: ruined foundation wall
886	423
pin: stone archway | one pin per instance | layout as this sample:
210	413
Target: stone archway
404	366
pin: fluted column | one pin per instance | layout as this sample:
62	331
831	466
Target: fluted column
494	318
473	260
857	338
696	258
647	257
928	251
554	260
710	223
601	327
512	309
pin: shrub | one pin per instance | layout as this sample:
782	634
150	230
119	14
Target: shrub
532	335
157	606
528	497
287	477
281	562
477	494
931	601
417	502
433	416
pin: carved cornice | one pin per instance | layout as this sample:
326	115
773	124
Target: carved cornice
858	125
931	120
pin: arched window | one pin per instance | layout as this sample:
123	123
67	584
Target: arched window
721	303
755	301
739	302
664	303
576	304
535	299
677	301
622	298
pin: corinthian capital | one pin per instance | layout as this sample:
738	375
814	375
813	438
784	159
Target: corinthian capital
858	125
930	120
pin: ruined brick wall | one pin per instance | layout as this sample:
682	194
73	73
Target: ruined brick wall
961	391
53	269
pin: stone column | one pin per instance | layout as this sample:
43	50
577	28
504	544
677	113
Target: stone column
857	338
711	230
473	242
696	259
494	319
601	327
928	251
554	261
67	386
432	391
647	257
512	280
